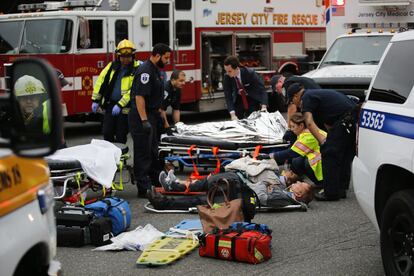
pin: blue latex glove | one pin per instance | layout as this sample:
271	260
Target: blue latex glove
95	107
116	110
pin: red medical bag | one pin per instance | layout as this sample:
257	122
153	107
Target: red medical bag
247	246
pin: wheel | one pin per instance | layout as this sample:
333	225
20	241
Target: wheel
397	234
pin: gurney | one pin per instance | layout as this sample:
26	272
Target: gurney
193	210
292	205
72	184
208	144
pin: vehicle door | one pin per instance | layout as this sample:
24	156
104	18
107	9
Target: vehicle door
92	54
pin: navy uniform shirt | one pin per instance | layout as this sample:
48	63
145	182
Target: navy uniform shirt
306	82
172	96
147	83
326	105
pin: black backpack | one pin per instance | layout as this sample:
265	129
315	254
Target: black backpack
249	198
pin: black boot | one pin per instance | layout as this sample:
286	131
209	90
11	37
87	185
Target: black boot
321	196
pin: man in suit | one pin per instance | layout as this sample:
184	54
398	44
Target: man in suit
243	89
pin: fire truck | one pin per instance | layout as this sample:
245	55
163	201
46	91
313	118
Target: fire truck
79	38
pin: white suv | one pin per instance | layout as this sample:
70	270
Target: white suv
383	170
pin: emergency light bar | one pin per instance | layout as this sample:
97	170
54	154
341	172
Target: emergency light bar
80	4
384	2
391	25
39	7
54	6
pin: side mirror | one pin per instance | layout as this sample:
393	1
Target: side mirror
35	106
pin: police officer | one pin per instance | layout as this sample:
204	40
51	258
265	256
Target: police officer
338	113
144	118
243	89
172	97
112	92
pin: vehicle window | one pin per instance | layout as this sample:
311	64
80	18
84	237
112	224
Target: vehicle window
394	79
121	30
49	36
95	34
356	50
183	4
184	32
9	36
160	24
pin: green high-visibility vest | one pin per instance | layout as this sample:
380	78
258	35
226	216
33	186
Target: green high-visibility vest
45	113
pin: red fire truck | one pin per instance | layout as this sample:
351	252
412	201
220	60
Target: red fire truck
80	37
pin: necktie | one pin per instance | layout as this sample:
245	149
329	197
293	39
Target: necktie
242	93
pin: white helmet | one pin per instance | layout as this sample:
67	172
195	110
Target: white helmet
27	86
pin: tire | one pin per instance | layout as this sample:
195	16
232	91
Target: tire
397	234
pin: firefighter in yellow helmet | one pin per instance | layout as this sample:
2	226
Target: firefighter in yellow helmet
34	104
112	92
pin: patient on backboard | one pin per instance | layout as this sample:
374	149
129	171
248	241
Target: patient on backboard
286	190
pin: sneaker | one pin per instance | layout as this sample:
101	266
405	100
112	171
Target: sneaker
164	181
171	176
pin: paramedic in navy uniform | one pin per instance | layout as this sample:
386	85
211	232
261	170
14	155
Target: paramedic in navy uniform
144	117
243	89
172	97
338	113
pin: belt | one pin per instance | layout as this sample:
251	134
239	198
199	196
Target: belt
348	120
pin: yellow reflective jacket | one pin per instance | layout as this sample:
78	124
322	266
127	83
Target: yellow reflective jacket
307	145
126	83
46	126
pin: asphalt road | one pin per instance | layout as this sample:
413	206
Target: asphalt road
331	238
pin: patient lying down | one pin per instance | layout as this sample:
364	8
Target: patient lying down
285	192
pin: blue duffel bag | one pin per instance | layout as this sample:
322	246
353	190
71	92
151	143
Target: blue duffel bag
239	226
116	209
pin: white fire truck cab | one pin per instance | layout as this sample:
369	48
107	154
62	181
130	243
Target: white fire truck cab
357	33
80	37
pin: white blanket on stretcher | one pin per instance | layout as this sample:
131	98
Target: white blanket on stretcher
98	159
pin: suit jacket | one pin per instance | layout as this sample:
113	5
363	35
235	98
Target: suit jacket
252	84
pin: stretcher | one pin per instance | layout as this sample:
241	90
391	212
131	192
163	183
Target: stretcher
215	144
72	184
298	206
177	242
214	157
166	250
193	210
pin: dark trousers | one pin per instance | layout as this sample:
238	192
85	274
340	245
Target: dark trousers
337	155
115	128
181	202
300	166
290	137
146	164
203	185
241	113
197	186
